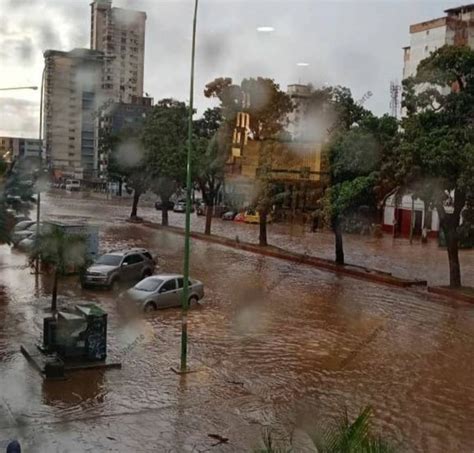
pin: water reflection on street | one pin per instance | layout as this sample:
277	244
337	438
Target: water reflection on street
275	344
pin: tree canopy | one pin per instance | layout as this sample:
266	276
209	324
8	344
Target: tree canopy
436	154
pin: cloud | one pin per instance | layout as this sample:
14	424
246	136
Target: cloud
354	43
19	117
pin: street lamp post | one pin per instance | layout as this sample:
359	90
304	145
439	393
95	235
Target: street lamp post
18	88
185	301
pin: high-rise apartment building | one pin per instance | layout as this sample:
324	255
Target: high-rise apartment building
120	34
456	28
72	95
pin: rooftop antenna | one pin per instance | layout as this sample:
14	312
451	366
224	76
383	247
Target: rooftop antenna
394	98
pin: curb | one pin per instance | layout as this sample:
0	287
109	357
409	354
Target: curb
451	293
320	263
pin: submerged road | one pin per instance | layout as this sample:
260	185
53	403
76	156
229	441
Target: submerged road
275	344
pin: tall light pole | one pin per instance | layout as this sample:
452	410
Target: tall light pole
185	301
38	193
18	88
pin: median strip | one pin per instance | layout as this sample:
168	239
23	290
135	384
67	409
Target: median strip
320	263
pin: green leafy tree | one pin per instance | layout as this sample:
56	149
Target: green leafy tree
4	217
165	141
62	252
211	152
353	156
437	149
127	162
267	105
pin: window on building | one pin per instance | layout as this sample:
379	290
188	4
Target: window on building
426	48
427	32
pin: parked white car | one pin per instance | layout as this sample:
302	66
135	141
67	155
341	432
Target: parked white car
73	185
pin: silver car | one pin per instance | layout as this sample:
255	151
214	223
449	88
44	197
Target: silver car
116	267
161	291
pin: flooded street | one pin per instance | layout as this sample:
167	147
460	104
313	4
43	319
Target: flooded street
274	344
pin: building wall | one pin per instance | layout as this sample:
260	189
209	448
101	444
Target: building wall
295	166
19	147
299	95
405	205
422	43
457	28
120	34
288	160
72	92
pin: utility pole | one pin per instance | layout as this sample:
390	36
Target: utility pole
187	231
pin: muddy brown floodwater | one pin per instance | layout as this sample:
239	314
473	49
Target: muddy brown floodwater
275	344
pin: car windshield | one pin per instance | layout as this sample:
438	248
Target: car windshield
109	260
149	284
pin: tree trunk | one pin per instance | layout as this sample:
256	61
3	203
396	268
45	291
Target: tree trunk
262	239
339	245
164	214
453	255
120	187
54	298
209	213
136	199
450	223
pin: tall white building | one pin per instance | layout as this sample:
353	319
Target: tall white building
456	28
120	34
71	98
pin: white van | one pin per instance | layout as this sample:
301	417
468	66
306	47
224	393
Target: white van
73	185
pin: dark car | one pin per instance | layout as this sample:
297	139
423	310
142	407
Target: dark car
159	205
229	215
180	206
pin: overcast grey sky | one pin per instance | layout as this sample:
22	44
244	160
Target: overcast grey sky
356	43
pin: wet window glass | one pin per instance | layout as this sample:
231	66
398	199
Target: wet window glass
170	285
149	284
109	260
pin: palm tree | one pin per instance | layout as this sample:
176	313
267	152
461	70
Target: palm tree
351	437
61	251
343	437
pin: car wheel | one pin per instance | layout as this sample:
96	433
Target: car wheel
193	300
149	307
114	284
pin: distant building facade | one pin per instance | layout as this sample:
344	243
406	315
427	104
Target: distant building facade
122	116
299	95
297	170
72	96
120	34
17	147
456	28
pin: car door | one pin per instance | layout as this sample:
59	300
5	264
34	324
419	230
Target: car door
167	294
179	292
132	267
136	266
